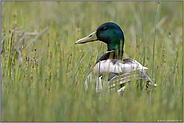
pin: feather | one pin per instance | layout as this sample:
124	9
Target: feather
120	72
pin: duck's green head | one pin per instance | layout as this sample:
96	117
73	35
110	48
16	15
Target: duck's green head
110	33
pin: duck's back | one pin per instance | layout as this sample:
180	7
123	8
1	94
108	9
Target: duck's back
119	71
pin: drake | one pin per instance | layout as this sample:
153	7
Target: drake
119	71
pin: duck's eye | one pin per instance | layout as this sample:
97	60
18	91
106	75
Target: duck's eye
104	28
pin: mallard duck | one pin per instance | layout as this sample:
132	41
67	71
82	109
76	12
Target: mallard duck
119	71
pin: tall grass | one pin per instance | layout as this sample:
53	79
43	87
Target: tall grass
154	40
43	71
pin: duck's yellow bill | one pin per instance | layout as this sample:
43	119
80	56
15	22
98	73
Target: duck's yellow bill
90	38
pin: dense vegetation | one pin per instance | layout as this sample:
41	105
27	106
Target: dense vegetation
43	71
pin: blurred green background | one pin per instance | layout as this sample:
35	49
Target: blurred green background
43	71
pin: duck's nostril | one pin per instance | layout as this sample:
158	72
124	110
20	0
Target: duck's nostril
90	35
